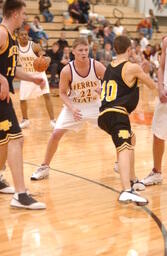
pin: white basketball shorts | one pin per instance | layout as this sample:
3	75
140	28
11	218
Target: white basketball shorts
29	90
89	113
159	125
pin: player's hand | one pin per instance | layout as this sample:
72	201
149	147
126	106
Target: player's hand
163	95
39	81
77	114
4	89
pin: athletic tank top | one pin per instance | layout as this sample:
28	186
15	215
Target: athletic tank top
27	57
83	88
116	93
8	59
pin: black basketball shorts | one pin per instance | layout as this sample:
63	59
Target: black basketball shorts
118	126
9	126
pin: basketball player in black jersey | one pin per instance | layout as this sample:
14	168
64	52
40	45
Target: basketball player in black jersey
119	96
11	141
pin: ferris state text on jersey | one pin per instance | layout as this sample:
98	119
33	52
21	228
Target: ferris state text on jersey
85	91
27	63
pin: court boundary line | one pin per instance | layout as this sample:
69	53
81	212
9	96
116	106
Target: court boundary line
160	225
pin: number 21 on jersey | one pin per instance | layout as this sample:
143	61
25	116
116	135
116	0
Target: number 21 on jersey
109	91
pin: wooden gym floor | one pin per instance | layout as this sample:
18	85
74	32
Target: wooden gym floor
83	216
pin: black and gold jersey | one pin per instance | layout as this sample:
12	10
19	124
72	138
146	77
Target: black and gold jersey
8	59
117	95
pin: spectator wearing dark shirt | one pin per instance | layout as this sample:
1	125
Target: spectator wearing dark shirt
66	57
55	56
75	12
44	6
62	41
84	7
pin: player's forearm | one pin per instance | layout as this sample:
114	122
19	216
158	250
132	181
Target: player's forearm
148	81
20	74
66	100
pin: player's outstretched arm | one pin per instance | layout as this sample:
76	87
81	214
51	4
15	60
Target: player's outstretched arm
137	72
37	79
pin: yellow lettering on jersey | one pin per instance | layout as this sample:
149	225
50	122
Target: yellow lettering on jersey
5	125
109	91
84	85
124	134
13	51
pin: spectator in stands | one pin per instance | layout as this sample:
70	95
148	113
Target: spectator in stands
143	41
84	7
66	57
145	27
94	51
62	41
137	55
147	52
55	56
118	28
109	35
100	31
44	6
106	55
37	33
90	40
154	21
75	12
1	7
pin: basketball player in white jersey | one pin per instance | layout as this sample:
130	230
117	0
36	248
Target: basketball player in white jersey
159	125
28	52
79	83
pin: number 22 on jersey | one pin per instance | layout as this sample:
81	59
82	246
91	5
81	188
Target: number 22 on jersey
109	91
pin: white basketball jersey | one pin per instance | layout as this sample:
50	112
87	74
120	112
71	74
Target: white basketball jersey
83	88
27	57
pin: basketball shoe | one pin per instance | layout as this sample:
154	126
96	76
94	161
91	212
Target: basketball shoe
137	185
41	173
131	196
24	200
5	188
153	178
24	124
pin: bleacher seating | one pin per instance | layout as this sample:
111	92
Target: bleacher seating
129	21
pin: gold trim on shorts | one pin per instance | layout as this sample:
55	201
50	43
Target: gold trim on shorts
11	136
118	109
125	145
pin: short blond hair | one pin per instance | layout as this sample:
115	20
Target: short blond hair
78	41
